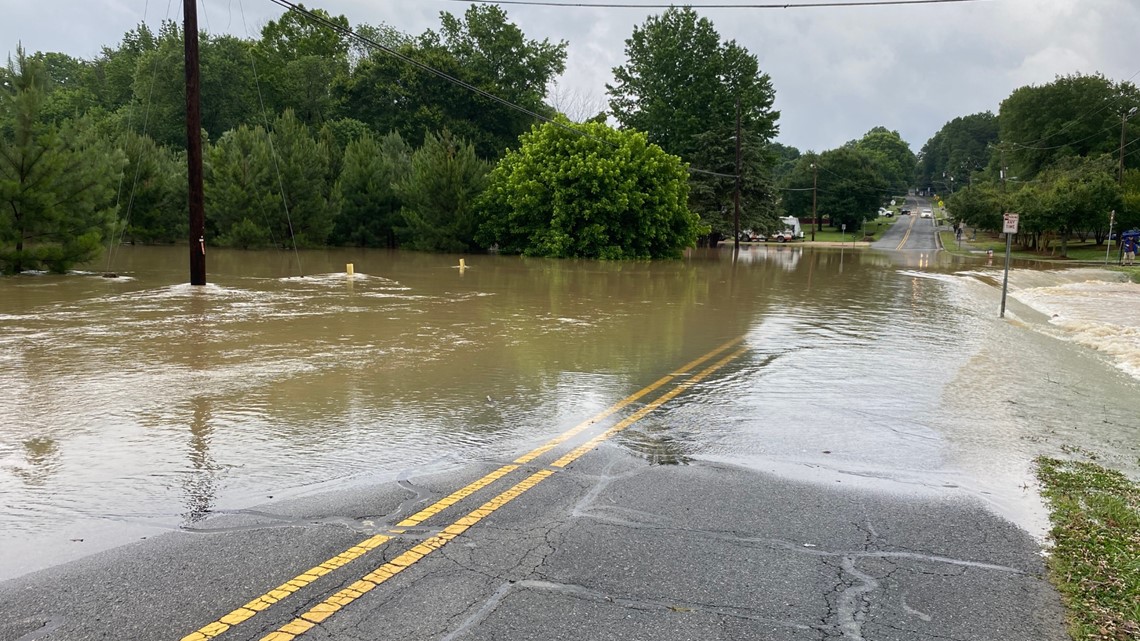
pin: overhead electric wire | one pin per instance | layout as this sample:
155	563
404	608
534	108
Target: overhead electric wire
780	5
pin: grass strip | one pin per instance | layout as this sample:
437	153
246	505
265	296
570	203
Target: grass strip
1095	561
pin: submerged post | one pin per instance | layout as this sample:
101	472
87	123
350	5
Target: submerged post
194	145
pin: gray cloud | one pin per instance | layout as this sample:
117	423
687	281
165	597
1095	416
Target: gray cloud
837	72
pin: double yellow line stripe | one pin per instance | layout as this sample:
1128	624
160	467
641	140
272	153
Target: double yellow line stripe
464	492
263	602
906	236
326	608
321	611
577	452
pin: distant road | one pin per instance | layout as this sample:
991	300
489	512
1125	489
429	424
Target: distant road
911	233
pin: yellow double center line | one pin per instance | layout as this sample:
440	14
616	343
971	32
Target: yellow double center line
906	236
326	608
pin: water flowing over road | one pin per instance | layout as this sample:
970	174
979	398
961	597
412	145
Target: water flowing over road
138	404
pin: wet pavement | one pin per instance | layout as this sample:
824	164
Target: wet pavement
578	538
608	548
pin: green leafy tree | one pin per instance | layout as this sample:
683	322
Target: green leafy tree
228	89
1128	216
979	206
786	157
961	147
370	210
588	191
56	183
482	49
892	156
712	197
112	77
299	59
1075	115
1080	193
443	180
850	187
495	55
382	34
681	81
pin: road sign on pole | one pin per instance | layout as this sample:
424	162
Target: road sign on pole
1009	228
1009	223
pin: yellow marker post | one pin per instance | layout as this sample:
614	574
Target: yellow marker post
348	269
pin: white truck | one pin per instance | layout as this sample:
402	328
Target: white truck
791	231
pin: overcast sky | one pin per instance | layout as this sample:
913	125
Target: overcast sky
837	72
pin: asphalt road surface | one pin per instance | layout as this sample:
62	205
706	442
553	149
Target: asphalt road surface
577	539
911	233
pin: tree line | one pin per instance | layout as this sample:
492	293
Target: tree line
1062	155
314	137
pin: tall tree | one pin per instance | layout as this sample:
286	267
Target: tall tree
961	147
370	211
439	192
1080	194
482	49
277	185
681	81
892	155
713	197
1075	115
56	183
153	192
848	191
114	70
229	91
299	59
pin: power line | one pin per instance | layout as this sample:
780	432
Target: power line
782	5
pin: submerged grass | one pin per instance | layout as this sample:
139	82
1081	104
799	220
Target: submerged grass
1095	562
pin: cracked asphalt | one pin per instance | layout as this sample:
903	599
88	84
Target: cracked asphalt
612	547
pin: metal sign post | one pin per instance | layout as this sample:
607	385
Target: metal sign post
1009	228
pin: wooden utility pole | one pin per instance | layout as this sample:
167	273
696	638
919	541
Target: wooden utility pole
736	194
814	188
194	146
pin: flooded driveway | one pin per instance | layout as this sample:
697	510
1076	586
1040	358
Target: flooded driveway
138	404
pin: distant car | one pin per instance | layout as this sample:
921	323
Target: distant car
904	212
926	213
889	213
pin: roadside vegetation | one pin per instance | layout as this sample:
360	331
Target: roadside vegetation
337	143
1095	560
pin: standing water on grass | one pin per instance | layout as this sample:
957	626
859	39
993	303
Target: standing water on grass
137	405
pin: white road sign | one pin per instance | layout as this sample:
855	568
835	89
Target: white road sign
1009	223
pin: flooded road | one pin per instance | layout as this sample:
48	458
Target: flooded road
139	404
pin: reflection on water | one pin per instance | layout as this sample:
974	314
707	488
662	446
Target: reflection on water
141	402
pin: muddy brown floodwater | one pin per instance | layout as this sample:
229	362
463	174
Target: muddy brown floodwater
139	404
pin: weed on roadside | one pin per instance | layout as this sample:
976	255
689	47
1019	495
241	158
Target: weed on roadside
1095	562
